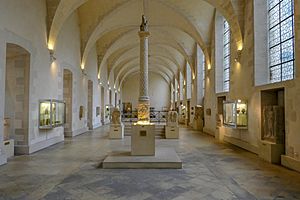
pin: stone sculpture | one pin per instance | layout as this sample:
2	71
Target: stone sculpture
172	117
198	118
144	25
116	116
273	123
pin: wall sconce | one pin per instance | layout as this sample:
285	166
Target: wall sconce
99	82
52	58
238	56
83	72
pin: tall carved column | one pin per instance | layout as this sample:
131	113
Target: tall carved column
144	100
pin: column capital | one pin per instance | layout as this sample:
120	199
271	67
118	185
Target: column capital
144	34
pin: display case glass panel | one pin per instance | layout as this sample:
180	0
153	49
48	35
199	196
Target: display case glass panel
235	114
51	114
45	114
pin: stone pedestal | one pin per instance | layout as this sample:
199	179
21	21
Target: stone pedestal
172	132
116	131
9	148
143	140
271	152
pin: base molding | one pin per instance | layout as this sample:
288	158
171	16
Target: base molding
290	162
241	144
26	150
3	159
76	132
208	131
95	126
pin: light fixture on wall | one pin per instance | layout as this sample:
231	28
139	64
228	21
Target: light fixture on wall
238	56
99	82
52	58
83	69
84	72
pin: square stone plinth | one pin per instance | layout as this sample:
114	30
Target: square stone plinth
271	152
172	132
9	148
116	131
143	140
165	158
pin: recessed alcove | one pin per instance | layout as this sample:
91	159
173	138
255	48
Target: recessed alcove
272	125
16	98
68	93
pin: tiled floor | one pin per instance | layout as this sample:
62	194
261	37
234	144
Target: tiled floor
211	170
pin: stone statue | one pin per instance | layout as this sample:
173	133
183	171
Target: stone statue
198	118
172	117
116	116
144	25
273	123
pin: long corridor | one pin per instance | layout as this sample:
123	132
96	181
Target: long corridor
211	170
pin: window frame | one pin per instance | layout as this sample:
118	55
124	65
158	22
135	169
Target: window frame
281	42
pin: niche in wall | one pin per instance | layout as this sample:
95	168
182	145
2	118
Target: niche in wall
272	116
220	110
68	93
16	111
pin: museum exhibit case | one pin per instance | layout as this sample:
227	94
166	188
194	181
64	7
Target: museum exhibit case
235	114
51	113
107	111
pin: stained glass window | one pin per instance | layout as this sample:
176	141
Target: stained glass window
281	40
226	56
203	73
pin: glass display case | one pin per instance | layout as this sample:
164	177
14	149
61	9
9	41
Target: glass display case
235	114
107	111
51	114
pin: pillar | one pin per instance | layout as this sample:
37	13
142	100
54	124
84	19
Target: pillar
144	100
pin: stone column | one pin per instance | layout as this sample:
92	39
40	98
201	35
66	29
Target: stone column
144	100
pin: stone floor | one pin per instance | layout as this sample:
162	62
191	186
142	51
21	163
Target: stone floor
211	170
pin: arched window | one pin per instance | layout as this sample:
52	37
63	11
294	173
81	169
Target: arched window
226	56
181	80
281	40
203	74
188	81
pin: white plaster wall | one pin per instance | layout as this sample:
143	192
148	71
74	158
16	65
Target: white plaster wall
92	74
159	91
27	28
67	52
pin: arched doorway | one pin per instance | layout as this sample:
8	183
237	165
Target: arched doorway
16	111
68	94
102	105
90	105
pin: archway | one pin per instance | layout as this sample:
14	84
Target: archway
16	112
90	105
68	94
102	106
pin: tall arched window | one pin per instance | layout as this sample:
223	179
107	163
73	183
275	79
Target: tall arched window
281	40
188	81
226	56
203	73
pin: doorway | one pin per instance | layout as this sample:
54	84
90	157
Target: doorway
16	111
188	112
102	105
68	93
90	105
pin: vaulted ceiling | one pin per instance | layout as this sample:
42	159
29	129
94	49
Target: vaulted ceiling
176	26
